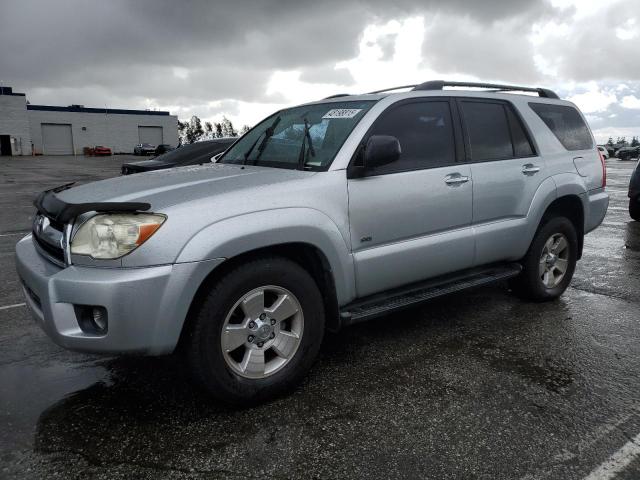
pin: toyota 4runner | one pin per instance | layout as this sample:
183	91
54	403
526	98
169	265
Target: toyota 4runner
321	216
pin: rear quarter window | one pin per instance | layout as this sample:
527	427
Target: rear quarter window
566	124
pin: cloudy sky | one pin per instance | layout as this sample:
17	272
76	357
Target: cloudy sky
245	59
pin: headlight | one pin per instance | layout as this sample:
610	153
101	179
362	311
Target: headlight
114	235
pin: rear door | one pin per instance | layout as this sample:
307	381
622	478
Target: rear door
411	220
506	175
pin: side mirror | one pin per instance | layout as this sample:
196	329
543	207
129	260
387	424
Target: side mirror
379	150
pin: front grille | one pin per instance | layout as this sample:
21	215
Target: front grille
56	253
48	237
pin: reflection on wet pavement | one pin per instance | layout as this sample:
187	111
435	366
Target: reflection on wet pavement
479	385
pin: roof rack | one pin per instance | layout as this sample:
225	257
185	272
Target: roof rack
440	84
391	89
337	95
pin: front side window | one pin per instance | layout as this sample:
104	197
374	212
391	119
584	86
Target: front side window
425	132
566	124
306	137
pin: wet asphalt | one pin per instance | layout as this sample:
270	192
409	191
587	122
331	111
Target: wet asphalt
477	385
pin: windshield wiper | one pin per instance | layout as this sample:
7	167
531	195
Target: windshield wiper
268	133
305	139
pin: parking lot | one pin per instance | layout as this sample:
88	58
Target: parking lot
477	385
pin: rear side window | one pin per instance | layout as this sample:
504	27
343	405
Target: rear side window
566	124
425	132
521	143
487	131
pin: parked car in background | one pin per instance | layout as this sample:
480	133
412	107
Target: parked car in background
627	153
634	194
190	154
163	148
101	150
144	149
322	216
604	151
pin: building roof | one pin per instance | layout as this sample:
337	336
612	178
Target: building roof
82	109
9	91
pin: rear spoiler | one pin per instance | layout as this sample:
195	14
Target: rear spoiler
62	212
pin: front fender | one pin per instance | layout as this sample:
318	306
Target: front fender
230	237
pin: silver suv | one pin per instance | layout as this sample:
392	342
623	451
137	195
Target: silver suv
321	216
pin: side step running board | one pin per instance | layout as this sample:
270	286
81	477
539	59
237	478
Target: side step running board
387	302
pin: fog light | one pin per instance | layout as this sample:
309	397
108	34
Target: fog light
92	319
99	318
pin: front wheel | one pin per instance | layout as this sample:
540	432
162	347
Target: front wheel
257	332
634	208
550	262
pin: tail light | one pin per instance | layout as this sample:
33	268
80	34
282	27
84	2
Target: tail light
604	168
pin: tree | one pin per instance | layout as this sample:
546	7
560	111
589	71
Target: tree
610	142
182	127
244	129
194	131
227	128
635	142
219	130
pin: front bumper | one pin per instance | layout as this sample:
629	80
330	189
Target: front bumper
146	307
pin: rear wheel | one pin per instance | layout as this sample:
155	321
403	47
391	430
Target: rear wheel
550	262
634	208
257	332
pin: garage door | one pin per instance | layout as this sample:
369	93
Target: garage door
57	139
150	135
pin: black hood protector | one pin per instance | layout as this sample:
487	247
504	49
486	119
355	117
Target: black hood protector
62	212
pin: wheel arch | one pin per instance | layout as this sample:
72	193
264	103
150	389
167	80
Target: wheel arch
306	255
571	207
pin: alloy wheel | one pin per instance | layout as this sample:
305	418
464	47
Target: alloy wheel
262	332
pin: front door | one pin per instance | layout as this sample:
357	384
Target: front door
411	220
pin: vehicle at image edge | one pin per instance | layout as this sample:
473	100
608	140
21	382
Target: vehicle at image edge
604	151
634	193
144	149
628	153
321	216
190	154
163	148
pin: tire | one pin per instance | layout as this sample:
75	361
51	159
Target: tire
232	374
634	209
532	284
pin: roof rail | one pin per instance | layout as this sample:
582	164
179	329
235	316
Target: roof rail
337	95
391	89
440	84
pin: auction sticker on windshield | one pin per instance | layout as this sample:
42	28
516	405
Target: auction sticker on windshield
342	113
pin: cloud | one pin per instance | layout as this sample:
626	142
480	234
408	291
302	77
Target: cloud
249	57
594	100
630	101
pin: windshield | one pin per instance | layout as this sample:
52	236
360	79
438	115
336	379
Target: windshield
306	137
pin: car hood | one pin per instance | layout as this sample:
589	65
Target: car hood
145	163
163	188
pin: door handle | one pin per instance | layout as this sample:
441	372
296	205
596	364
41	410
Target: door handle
455	179
530	168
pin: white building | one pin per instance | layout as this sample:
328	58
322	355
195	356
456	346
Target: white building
49	130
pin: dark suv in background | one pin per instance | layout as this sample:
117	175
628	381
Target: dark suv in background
191	154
